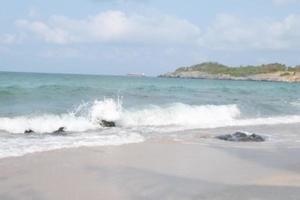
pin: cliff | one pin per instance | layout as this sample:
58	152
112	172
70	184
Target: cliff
210	70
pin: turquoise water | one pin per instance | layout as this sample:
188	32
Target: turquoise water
140	106
28	93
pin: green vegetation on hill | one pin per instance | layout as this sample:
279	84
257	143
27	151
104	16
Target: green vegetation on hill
295	69
216	68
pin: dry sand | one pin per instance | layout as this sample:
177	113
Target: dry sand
153	170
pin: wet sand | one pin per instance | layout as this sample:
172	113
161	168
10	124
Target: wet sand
153	170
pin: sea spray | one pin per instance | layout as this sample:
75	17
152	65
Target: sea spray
108	109
177	116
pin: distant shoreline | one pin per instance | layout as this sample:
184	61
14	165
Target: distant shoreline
214	71
228	79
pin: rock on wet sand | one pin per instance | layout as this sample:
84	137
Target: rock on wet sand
241	137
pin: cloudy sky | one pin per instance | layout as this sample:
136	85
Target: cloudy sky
150	36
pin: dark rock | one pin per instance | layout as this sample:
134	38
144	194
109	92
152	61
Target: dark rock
59	131
28	131
241	137
256	138
105	123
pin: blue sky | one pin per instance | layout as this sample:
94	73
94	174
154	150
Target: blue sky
150	36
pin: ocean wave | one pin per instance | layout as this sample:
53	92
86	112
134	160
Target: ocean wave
42	90
11	91
177	115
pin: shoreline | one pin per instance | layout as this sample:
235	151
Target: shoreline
275	134
230	79
155	169
212	70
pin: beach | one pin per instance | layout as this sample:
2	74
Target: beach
129	138
150	100
157	169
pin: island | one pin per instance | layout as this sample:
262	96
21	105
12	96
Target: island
214	70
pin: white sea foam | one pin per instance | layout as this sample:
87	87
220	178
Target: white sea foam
18	146
77	121
175	115
132	123
46	123
179	114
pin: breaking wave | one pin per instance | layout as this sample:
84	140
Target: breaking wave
87	117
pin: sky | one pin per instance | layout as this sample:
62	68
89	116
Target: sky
117	37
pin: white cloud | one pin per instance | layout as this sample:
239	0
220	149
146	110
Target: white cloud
44	31
230	32
226	32
113	26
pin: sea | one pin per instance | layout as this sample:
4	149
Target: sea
143	108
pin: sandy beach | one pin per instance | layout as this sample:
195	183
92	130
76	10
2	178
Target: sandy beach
150	100
162	142
157	169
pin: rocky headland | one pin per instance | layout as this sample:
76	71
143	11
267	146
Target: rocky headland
211	70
